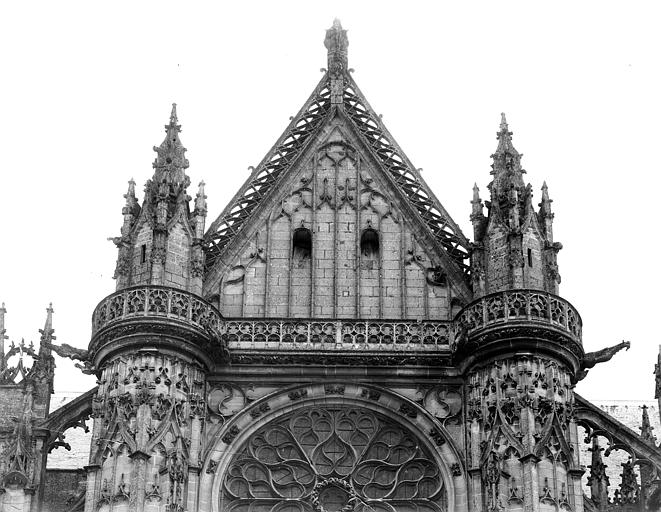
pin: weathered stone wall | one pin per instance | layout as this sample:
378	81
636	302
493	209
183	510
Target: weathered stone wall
177	257
11	405
63	487
334	245
497	260
533	266
79	440
140	268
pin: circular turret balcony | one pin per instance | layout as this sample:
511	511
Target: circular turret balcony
155	316
518	321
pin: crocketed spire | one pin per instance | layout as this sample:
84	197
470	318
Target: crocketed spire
171	160
506	165
514	245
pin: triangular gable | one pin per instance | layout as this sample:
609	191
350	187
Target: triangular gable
405	175
305	193
383	146
262	179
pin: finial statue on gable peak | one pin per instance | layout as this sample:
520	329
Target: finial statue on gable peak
336	42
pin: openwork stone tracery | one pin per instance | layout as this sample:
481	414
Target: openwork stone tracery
335	458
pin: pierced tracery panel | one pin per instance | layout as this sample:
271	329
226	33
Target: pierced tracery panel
330	460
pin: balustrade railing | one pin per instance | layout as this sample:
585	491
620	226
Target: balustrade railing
511	306
532	306
155	301
315	334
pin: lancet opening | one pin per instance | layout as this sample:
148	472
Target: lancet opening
302	244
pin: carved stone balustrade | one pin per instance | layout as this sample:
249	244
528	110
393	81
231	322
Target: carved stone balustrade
160	314
521	319
315	334
309	341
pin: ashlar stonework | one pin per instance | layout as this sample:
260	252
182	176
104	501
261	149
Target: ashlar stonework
332	342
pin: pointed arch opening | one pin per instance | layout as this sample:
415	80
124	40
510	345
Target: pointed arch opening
369	244
301	245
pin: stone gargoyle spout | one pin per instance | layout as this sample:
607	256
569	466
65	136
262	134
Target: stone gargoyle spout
591	359
75	354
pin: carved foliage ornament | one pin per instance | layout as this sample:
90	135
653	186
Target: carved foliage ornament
331	460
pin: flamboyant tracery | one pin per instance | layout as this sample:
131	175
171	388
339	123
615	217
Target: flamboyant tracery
334	458
321	349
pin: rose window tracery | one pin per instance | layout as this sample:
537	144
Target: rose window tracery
333	459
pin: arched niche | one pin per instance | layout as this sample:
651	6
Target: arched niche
328	450
369	244
301	245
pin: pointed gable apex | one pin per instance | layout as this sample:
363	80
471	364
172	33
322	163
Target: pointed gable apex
338	90
336	237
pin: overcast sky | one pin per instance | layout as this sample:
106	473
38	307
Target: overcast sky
87	86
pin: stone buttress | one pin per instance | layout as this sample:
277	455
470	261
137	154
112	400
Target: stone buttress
25	394
152	343
519	346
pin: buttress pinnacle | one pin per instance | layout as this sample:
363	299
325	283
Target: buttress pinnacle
505	138
47	332
201	200
171	152
506	165
646	427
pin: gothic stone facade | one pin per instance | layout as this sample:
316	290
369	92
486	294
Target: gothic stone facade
331	342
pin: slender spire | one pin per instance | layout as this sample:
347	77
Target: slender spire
506	165
171	153
131	201
646	427
476	194
504	136
598	479
477	203
201	200
2	337
130	211
336	43
545	206
47	331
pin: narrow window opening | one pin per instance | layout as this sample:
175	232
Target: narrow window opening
369	244
302	244
530	258
143	253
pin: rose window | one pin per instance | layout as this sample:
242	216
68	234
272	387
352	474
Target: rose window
333	459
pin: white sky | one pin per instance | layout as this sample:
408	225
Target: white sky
87	86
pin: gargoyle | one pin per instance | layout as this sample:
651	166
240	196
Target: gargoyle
592	359
75	354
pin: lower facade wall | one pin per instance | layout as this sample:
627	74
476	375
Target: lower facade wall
63	489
